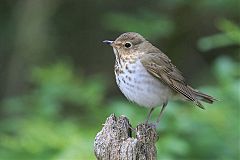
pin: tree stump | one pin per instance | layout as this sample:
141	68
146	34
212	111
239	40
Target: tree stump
115	141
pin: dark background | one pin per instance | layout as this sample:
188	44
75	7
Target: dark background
58	87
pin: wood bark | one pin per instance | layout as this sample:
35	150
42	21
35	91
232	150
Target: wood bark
115	141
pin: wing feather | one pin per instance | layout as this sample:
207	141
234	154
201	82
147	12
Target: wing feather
160	66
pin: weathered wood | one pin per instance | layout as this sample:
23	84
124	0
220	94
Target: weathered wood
114	141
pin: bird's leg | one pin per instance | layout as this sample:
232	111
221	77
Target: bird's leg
149	115
161	112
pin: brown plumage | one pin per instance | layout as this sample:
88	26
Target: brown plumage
146	76
160	66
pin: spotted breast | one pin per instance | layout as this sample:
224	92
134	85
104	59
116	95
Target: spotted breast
138	85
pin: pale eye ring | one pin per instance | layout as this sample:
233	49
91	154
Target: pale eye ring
128	45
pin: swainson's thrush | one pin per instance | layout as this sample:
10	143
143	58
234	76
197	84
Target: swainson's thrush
146	76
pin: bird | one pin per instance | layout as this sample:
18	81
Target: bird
147	77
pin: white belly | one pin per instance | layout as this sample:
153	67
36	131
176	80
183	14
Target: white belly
141	87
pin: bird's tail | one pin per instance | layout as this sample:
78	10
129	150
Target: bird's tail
202	97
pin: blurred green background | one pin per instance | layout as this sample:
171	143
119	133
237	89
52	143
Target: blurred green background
58	87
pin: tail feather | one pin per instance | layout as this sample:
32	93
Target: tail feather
202	97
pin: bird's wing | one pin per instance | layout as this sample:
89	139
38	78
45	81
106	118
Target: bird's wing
160	66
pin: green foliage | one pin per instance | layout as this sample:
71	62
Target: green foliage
230	36
40	124
149	24
205	134
37	124
58	113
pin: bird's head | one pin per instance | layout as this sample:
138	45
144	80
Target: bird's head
129	44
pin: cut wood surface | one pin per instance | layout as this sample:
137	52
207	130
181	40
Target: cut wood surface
115	141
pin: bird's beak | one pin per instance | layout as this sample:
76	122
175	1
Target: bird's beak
108	42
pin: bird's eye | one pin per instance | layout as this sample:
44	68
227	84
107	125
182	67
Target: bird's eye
128	45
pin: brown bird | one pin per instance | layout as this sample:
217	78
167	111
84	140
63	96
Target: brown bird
146	76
